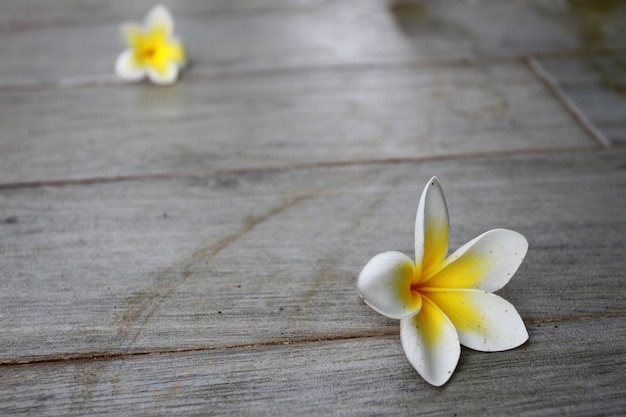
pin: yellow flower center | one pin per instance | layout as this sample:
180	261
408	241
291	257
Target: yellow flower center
453	302
153	48
149	52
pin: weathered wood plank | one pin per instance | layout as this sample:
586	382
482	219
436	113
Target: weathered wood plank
277	121
568	368
78	43
264	257
234	292
527	27
21	15
597	88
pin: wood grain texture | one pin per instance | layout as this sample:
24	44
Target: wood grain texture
22	15
278	121
265	257
569	368
193	250
596	86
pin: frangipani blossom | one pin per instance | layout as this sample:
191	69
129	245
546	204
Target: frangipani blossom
441	301
153	50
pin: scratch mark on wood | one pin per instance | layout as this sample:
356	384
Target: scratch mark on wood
143	305
122	354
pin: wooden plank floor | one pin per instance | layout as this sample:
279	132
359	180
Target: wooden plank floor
193	249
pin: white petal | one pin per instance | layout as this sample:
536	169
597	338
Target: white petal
385	285
431	228
169	76
483	320
487	262
160	16
431	344
127	69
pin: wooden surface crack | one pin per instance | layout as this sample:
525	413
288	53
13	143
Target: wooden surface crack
392	331
554	88
296	167
143	305
84	356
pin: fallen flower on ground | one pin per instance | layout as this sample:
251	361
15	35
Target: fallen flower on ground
444	302
153	51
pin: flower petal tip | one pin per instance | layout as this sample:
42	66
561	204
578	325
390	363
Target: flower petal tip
432	228
126	69
484	321
160	15
431	344
385	285
166	77
487	262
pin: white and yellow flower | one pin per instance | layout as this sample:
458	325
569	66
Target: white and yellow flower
443	301
153	51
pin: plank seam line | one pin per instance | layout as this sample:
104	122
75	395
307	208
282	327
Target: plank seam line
83	356
104	80
575	318
569	105
299	167
110	80
122	355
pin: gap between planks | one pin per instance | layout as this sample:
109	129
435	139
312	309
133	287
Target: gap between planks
82	356
303	167
108	79
569	105
120	355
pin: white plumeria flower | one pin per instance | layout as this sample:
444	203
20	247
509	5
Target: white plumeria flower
441	301
153	51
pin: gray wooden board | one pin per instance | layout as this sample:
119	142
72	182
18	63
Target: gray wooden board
61	42
597	87
21	15
219	277
265	257
279	120
566	368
